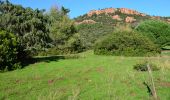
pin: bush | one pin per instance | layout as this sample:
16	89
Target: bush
157	31
74	44
8	51
143	67
126	43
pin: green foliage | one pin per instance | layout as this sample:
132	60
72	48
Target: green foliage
73	45
166	48
61	27
64	11
143	66
8	51
28	25
126	43
101	18
90	33
157	31
61	30
105	24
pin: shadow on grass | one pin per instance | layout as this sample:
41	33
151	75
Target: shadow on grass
28	61
47	59
149	91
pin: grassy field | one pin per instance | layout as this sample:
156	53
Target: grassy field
89	77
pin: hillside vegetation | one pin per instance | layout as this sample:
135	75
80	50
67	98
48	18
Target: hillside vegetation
98	23
102	55
114	16
157	31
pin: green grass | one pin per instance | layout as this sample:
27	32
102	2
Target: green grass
89	77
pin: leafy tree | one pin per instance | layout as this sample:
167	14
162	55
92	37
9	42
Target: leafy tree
74	44
61	27
64	10
8	51
158	31
28	25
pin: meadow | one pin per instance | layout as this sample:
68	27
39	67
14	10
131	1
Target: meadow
47	55
86	76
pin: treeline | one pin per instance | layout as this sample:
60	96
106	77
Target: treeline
25	32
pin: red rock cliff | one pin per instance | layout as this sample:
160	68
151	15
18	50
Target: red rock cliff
113	10
106	11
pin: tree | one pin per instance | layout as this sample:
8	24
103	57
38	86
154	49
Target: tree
61	27
64	10
8	51
28	25
158	31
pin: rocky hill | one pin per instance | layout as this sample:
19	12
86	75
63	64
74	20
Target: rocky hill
115	16
98	23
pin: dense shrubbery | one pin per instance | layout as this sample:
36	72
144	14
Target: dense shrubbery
8	51
126	43
157	31
90	33
29	25
143	66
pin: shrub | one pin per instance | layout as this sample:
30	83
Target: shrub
126	43
74	44
143	66
8	51
157	31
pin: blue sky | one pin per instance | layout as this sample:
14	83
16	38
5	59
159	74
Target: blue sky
80	7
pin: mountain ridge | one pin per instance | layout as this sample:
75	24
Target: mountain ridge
113	10
123	15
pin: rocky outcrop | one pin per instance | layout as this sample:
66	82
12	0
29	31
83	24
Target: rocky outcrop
142	14
168	20
113	10
105	11
116	17
130	19
156	17
86	22
130	12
